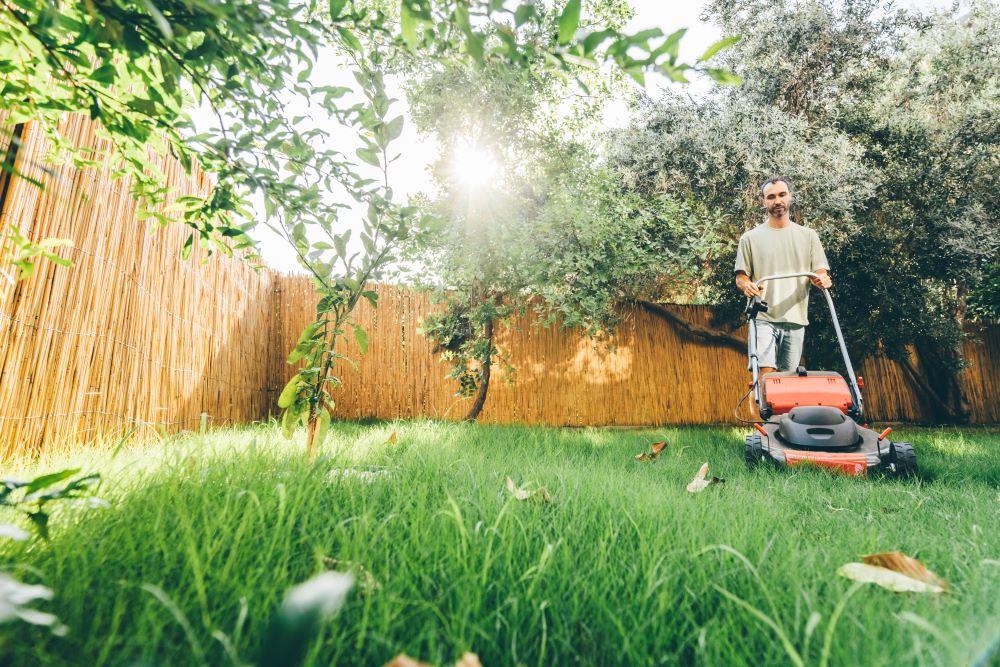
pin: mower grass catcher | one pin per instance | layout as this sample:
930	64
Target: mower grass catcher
816	417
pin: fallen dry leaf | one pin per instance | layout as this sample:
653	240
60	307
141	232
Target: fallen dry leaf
894	571
392	439
403	660
540	494
699	483
653	453
910	567
893	581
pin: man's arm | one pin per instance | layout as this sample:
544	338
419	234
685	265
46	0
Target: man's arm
744	262
819	262
747	286
823	280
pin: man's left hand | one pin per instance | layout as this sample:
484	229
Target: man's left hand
822	279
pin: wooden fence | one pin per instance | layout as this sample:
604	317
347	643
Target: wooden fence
649	373
134	335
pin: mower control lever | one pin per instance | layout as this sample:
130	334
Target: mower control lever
754	306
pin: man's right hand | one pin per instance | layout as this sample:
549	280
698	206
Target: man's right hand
747	286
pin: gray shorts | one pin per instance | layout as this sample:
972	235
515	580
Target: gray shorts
779	344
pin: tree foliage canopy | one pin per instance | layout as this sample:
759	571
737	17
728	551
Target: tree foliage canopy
887	124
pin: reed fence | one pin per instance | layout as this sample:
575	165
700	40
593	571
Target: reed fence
134	336
648	373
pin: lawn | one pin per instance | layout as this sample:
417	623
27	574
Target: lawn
205	534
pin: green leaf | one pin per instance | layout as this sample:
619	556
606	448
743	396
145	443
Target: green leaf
637	75
57	260
372	297
289	393
408	24
474	46
394	128
669	46
41	522
340	240
362	339
594	39
523	14
48	480
718	46
104	74
569	21
336	8
724	76
288	420
323	426
349	38
188	245
370	156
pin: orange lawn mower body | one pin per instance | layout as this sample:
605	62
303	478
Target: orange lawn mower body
817	417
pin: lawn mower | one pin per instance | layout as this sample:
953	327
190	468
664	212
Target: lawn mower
817	417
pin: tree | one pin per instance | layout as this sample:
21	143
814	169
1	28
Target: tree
485	259
887	124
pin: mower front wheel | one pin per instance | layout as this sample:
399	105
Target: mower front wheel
755	453
904	458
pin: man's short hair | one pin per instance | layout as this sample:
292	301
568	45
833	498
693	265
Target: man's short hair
776	179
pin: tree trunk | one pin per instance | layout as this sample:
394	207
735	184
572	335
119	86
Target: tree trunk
944	378
963	409
694	330
484	386
312	427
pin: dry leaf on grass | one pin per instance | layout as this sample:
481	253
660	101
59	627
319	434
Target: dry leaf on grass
403	660
894	571
469	660
699	483
653	453
911	567
540	494
392	439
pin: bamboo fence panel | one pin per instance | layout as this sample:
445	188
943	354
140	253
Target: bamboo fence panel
132	334
647	374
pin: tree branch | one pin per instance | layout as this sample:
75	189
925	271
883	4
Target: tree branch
691	329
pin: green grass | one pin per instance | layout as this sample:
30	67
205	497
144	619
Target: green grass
623	567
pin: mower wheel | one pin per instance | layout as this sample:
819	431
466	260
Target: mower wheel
905	459
755	453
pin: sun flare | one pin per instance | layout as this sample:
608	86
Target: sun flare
474	167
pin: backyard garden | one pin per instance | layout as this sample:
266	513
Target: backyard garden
406	333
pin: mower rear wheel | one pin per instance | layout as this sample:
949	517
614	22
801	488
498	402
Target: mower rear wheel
755	453
905	459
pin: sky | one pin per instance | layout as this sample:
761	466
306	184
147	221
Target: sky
410	174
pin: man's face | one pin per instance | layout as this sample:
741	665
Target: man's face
777	198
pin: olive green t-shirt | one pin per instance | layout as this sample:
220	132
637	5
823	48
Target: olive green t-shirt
767	251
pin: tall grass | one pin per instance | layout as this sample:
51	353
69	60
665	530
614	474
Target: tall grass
206	533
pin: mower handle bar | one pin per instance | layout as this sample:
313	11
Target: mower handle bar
836	327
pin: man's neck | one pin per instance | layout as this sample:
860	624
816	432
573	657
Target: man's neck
778	223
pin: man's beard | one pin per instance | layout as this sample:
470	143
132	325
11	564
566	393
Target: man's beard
777	210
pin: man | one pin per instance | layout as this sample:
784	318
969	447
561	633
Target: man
774	247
